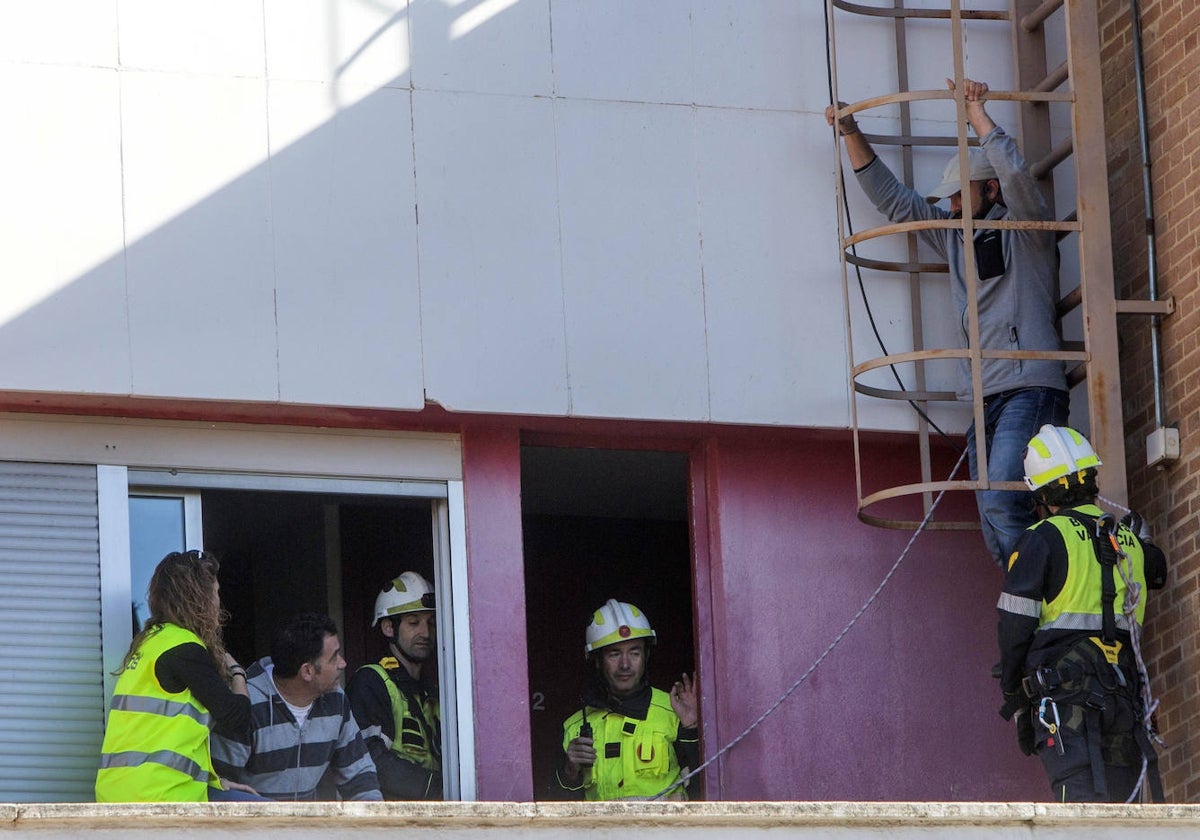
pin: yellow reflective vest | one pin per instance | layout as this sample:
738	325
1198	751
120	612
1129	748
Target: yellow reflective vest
415	729
156	743
635	759
1080	606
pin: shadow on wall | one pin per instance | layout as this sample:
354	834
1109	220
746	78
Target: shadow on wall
274	285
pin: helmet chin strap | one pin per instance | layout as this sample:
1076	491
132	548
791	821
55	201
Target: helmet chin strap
399	654
410	664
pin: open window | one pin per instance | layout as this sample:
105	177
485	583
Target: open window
297	544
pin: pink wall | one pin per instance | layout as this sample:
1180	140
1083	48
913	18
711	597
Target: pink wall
492	495
905	707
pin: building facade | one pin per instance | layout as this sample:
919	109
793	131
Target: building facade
1166	493
540	299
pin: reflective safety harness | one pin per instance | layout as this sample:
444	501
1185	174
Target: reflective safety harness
156	743
1095	676
416	718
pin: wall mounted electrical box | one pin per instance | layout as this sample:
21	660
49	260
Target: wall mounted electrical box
1162	446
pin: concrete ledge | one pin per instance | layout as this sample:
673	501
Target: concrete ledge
726	820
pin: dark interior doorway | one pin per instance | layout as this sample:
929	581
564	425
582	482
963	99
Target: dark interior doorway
599	524
286	553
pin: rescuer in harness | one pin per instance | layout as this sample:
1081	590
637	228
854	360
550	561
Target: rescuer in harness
628	740
399	711
1070	620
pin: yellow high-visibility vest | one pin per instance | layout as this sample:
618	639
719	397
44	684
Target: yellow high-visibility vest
1080	605
156	744
635	759
415	729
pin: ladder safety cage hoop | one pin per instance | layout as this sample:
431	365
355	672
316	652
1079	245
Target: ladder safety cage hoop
1078	356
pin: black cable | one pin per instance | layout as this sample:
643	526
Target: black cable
862	290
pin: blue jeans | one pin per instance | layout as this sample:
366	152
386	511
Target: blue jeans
215	795
1011	419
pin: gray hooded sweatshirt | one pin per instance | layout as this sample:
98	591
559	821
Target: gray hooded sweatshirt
1016	307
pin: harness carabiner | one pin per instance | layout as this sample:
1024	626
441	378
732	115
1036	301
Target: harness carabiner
1106	529
1055	739
1052	728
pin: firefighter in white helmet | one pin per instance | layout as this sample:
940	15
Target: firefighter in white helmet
1070	617
396	709
628	740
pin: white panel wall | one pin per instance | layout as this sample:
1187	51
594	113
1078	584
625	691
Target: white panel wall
352	48
62	292
346	296
773	322
623	50
79	33
218	37
491	298
561	207
483	46
200	302
773	70
631	274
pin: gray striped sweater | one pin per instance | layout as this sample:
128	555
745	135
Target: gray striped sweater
284	761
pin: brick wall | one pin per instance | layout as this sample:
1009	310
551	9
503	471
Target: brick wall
1168	497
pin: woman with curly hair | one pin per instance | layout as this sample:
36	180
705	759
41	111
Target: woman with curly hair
175	683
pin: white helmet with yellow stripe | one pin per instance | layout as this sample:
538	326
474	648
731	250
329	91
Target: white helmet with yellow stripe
1056	452
615	622
410	592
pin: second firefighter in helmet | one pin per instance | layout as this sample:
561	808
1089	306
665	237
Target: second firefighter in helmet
394	702
628	740
1074	598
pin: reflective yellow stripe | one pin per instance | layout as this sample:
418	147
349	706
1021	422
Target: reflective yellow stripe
1083	621
166	758
158	706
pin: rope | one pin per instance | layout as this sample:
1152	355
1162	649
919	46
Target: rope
1133	597
962	454
1111	503
683	780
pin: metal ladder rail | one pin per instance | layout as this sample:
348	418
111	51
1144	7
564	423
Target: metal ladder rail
1036	94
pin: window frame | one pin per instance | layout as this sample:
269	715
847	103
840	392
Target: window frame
115	485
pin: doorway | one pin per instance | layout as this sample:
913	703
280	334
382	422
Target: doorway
599	524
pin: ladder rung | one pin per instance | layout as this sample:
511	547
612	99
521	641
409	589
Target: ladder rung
914	140
1038	16
1055	79
888	265
942	14
1062	149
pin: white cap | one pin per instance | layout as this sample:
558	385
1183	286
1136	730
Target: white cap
981	170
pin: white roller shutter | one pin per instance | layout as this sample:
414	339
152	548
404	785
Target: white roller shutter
51	685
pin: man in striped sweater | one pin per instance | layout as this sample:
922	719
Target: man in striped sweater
300	721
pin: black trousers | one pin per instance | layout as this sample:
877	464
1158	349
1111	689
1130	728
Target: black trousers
1070	774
